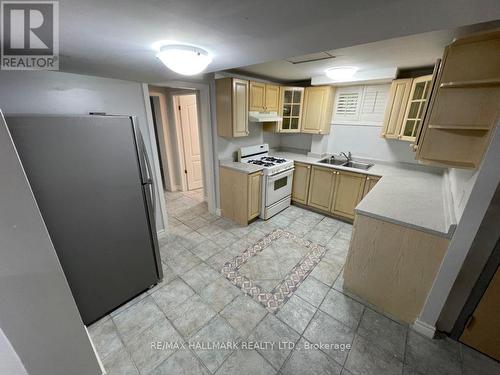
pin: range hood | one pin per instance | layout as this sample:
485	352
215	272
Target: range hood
263	116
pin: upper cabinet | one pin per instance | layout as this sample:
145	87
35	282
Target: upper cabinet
232	107
257	96
396	107
465	103
419	94
290	109
272	98
264	97
405	107
317	111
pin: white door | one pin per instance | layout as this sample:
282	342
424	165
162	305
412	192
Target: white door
190	141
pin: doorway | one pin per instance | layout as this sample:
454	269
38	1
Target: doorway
188	134
176	122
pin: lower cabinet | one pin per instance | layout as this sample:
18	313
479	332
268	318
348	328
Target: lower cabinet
369	184
349	189
333	191
392	266
300	185
240	194
321	188
254	196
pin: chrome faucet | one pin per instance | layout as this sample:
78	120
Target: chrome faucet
348	156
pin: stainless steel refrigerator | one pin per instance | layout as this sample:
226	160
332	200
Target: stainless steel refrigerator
93	183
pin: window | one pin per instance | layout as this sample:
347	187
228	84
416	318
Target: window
347	103
360	105
374	102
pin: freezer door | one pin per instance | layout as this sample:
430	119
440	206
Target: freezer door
148	185
86	177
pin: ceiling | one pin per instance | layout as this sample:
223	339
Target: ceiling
407	52
114	38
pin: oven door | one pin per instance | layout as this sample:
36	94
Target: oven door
278	186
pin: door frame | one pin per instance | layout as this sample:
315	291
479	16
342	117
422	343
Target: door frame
206	135
165	151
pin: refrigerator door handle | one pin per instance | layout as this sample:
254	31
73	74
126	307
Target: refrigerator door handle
149	179
145	166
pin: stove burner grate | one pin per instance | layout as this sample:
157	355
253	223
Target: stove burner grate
261	162
272	159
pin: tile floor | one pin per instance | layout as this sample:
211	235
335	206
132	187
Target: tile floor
196	304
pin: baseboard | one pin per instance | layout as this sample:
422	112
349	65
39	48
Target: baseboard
424	329
99	361
160	232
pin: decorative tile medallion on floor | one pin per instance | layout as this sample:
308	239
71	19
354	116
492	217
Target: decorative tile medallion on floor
273	268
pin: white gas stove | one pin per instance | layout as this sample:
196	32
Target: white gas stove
277	180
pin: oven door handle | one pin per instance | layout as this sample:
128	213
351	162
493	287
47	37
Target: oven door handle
281	174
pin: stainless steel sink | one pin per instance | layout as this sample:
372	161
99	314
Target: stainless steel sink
354	164
346	163
333	161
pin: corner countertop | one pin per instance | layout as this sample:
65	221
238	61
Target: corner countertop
407	194
240	167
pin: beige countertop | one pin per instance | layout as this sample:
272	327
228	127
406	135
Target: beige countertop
407	194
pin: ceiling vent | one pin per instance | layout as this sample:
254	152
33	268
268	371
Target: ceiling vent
310	58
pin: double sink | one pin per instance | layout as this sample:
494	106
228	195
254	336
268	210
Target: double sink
346	163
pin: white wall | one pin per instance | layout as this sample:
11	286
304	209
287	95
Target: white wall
10	363
38	314
461	182
227	147
365	142
64	93
272	139
300	142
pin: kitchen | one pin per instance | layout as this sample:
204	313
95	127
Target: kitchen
404	213
329	212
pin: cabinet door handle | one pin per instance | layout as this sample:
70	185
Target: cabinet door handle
368	179
308	167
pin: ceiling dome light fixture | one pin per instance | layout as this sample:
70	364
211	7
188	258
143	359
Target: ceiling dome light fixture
341	73
184	59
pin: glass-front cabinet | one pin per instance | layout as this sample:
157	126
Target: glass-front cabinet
290	109
415	108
